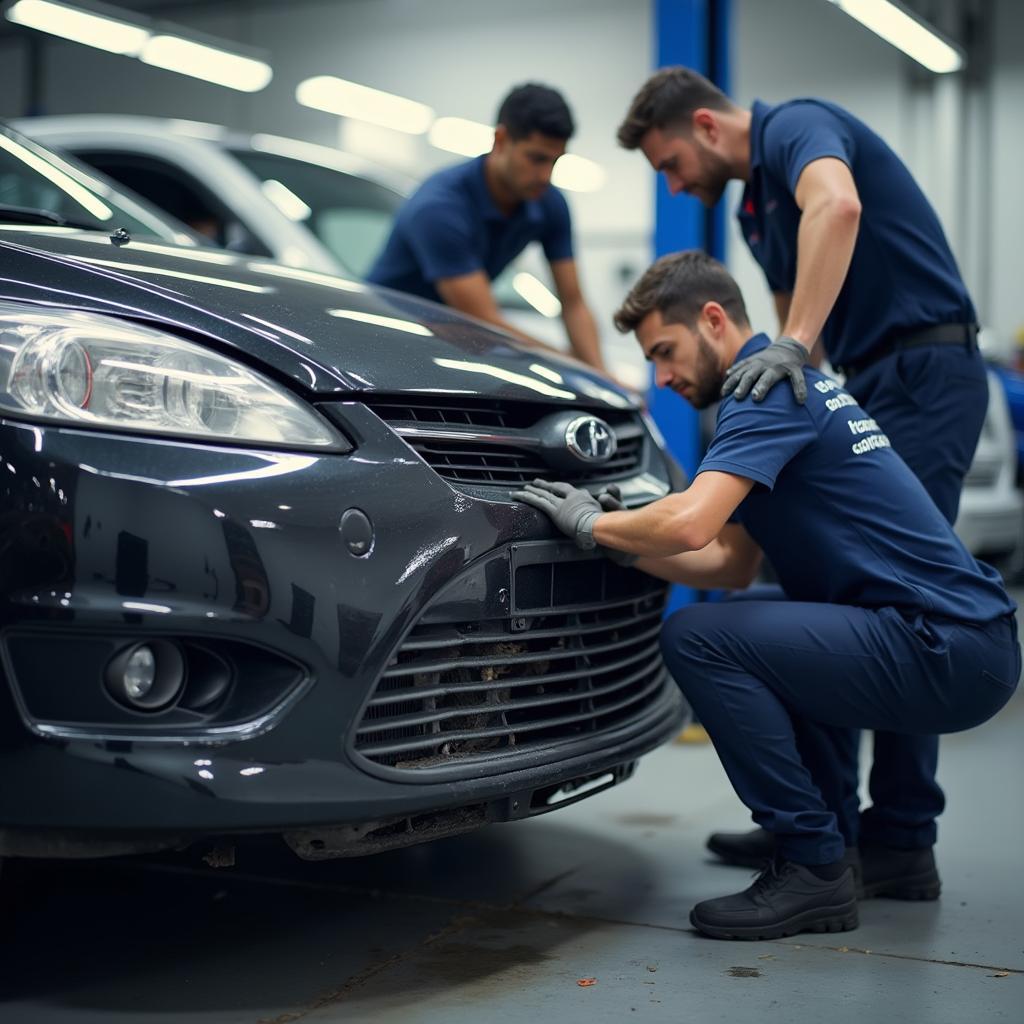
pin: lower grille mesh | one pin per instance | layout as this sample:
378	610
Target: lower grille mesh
487	690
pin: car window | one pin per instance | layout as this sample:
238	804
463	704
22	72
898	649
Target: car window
351	216
175	190
34	178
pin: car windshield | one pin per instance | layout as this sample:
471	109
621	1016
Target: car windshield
37	186
350	215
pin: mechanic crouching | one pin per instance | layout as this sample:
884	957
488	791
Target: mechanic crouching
883	621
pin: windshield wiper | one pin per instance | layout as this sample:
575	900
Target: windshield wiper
29	215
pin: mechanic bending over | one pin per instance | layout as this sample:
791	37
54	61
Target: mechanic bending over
854	253
466	223
886	621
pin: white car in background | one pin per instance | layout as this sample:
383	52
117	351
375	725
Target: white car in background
301	204
320	209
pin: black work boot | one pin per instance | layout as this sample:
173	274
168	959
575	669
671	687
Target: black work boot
744	849
899	874
786	898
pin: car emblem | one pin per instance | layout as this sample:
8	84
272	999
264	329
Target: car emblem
590	439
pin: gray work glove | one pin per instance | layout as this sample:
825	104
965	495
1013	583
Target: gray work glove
571	509
610	499
785	357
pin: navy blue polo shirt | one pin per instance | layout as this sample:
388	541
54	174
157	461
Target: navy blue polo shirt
451	226
902	276
838	513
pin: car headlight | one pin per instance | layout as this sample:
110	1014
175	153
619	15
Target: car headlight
84	369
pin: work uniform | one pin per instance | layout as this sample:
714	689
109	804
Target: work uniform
903	332
451	226
889	623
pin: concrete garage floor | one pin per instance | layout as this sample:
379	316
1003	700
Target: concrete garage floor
504	923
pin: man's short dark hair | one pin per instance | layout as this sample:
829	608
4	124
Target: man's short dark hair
678	286
533	108
667	100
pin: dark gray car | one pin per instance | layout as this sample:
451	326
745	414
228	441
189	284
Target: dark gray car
261	571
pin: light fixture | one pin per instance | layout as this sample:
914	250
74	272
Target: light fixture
99	26
578	174
210	63
347	99
906	32
104	33
536	294
459	135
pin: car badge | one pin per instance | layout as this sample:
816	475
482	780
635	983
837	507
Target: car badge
590	439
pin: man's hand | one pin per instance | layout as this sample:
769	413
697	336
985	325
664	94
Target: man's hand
571	509
610	499
785	357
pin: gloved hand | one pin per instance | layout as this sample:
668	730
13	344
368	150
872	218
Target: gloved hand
610	499
785	357
571	509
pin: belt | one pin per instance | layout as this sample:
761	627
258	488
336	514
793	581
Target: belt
939	334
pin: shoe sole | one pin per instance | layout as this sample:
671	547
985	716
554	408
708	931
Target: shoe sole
924	886
843	918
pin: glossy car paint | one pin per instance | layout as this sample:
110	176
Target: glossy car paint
244	544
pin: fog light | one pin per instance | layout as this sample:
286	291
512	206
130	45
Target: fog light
147	676
139	673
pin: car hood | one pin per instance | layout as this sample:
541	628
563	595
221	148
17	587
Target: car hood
326	333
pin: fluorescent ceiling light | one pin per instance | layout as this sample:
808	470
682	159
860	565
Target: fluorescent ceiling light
209	63
536	294
457	135
79	26
285	199
347	99
906	33
578	174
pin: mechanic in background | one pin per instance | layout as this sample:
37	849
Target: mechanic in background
854	254
466	223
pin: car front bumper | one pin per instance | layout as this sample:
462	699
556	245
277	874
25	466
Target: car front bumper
133	539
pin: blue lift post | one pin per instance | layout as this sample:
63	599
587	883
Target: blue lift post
694	33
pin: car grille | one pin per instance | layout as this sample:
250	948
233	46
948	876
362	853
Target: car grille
497	444
578	657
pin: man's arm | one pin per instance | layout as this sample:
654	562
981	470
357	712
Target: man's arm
827	196
687	521
731	561
579	321
783	300
472	294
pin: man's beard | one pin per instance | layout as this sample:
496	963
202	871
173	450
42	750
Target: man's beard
716	175
708	386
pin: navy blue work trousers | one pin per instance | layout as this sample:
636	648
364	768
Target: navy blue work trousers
783	686
931	402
